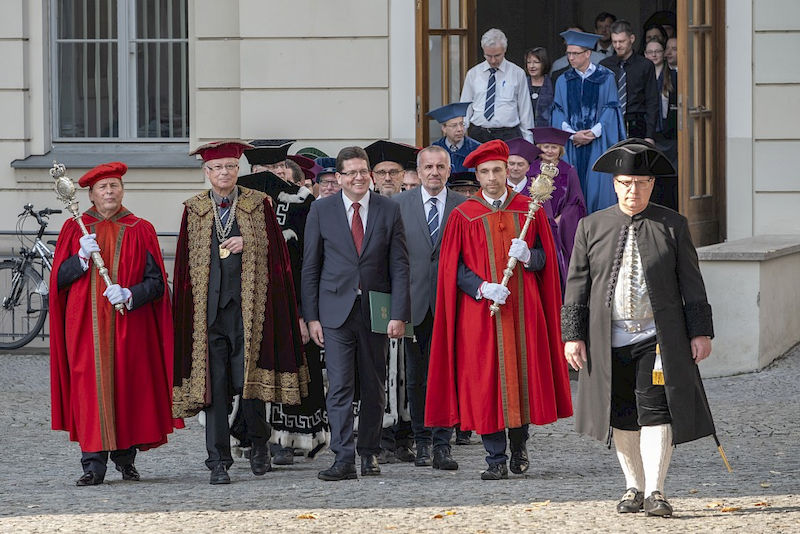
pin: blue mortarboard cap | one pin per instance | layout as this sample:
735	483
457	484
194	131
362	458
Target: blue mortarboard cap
586	40
328	166
450	111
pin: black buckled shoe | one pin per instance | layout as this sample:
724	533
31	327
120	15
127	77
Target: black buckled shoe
495	472
284	456
219	475
657	505
404	454
129	472
89	478
631	502
519	461
369	466
443	459
338	471
259	460
423	458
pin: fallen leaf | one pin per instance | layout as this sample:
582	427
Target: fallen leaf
775	473
761	503
542	503
390	527
438	516
715	504
765	484
692	491
529	509
731	509
306	516
450	512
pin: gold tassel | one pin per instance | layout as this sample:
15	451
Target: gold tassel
658	372
724	458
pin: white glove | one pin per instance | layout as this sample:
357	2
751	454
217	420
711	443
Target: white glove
495	292
116	294
519	249
88	245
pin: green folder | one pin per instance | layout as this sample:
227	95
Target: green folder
380	306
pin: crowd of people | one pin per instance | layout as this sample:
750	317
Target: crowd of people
364	302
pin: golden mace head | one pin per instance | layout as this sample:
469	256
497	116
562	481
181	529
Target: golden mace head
542	187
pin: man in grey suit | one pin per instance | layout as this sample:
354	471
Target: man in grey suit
354	244
425	210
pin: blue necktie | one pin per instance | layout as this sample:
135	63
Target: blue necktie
622	87
433	220
488	111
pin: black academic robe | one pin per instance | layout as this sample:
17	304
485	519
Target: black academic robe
680	309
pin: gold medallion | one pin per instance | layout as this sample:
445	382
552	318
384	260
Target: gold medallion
223	252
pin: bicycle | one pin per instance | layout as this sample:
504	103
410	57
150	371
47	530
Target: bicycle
23	289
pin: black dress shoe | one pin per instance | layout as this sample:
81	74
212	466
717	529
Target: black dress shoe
338	471
462	437
443	459
89	478
259	460
404	454
495	472
519	461
129	472
657	505
219	475
387	457
369	466
423	458
631	502
284	456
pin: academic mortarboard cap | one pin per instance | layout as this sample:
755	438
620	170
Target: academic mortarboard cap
450	111
576	38
547	134
634	157
463	179
303	161
225	148
524	149
115	169
328	166
258	180
380	151
268	151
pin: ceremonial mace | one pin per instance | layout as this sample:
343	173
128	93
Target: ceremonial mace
65	191
541	191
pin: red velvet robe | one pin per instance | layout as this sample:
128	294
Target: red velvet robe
111	374
491	373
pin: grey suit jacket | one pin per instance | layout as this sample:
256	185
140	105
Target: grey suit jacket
423	255
333	271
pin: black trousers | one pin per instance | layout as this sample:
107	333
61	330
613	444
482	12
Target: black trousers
636	124
635	401
347	348
482	135
418	355
226	366
495	443
97	461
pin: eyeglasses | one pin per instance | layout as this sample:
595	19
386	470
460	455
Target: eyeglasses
352	174
230	167
328	183
573	54
627	184
394	173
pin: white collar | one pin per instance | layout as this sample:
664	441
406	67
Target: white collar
363	202
441	197
502	199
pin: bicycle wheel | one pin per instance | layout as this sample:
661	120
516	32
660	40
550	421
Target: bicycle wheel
23	305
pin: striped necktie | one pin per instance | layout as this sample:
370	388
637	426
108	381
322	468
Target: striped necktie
622	87
433	220
488	111
224	210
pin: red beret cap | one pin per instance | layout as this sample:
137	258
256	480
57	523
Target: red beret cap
490	151
115	169
228	148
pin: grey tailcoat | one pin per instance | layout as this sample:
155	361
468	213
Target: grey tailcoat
680	308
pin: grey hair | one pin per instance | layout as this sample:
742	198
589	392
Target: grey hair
433	148
494	37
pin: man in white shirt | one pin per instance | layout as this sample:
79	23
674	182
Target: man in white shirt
501	104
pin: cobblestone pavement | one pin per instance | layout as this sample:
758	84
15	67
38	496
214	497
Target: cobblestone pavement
572	486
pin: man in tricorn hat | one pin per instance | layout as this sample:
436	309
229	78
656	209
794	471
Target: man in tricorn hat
233	277
111	374
636	322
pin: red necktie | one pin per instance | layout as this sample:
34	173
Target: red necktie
356	228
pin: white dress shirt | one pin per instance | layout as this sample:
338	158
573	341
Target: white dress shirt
348	209
520	187
597	129
512	100
441	198
502	199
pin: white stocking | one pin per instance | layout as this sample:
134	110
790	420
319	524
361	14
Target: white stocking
627	444
656	447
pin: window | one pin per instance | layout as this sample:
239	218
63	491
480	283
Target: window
120	70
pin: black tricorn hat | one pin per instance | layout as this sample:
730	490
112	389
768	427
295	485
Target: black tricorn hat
634	157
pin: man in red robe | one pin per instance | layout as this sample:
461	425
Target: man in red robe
490	374
111	372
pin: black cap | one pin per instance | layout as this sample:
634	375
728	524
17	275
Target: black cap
634	157
463	179
380	151
268	151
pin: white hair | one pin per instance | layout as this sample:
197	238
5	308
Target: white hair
432	148
494	37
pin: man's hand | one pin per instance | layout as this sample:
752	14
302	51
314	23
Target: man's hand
701	348
116	294
519	249
396	329
88	245
235	244
304	335
582	137
575	352
495	292
315	331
